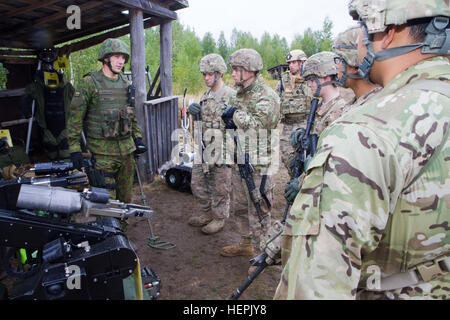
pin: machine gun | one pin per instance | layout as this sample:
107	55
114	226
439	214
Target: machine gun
272	242
69	260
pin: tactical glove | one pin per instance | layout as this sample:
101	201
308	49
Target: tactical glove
140	146
296	136
77	160
194	109
227	118
292	190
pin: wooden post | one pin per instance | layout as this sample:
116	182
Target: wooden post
166	58
138	76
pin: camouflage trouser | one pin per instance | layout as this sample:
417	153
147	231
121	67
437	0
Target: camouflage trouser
244	209
119	171
213	195
286	150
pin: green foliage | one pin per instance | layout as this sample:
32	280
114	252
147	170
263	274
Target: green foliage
312	42
208	44
3	73
188	49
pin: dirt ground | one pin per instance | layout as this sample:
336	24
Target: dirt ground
194	269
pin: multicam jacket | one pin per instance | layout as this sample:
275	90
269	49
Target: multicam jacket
104	136
258	110
213	105
328	112
294	99
376	196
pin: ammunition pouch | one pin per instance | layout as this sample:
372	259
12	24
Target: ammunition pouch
117	123
293	118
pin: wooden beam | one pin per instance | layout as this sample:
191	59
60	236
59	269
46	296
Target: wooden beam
166	58
81	45
16	60
17	52
137	37
38	4
63	13
148	7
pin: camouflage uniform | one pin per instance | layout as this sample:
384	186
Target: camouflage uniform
258	107
322	64
376	193
214	194
294	106
109	132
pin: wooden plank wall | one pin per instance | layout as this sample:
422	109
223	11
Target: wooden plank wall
161	117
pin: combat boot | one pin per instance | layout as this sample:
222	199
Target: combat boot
199	221
243	248
214	226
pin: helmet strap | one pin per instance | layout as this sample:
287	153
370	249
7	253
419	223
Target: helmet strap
108	64
321	85
341	81
216	78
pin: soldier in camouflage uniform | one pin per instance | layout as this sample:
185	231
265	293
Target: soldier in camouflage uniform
345	46
371	220
256	106
211	182
294	102
102	107
320	71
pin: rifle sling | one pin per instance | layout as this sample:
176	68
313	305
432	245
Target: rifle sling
261	190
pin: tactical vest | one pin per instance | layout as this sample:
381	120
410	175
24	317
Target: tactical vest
293	99
111	117
55	117
212	109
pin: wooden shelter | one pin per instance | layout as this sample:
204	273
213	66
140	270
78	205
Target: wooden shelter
21	20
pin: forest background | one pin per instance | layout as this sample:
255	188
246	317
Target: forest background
188	49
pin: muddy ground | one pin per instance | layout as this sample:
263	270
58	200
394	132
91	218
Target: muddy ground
194	269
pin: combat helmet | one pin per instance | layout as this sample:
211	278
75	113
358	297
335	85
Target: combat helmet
377	15
346	47
213	63
249	59
113	46
321	64
296	55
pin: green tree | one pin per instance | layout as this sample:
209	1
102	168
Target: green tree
208	44
313	41
187	52
222	46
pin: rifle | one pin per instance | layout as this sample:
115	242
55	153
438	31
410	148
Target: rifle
307	147
246	172
54	174
272	251
279	69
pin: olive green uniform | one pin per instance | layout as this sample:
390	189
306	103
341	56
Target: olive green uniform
101	106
